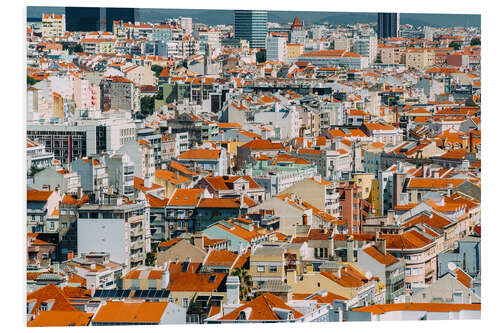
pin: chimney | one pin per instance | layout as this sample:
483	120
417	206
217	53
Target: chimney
233	290
391	217
471	146
380	245
199	241
165	276
350	249
291	277
148	182
464	141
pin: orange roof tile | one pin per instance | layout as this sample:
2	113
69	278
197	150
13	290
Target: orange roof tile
61	318
131	312
430	307
35	195
387	259
221	258
262	308
200	154
185	197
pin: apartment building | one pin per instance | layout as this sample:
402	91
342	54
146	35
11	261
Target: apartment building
122	229
53	25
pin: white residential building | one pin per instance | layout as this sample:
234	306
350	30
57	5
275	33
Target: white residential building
121	229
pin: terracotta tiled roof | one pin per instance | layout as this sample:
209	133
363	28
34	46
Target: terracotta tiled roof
328	299
221	183
264	145
440	183
35	195
430	307
125	312
262	308
191	281
408	240
61	318
200	154
185	197
155	201
387	259
221	258
51	292
139	184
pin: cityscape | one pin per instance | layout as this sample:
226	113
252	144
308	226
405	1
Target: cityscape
188	167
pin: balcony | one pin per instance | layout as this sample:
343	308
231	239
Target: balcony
139	244
136	232
135	219
137	257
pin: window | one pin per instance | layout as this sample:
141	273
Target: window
51	225
261	269
273	269
185	303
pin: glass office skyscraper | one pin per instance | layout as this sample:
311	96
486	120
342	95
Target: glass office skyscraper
95	18
388	25
251	25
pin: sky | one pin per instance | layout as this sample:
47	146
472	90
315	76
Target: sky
215	17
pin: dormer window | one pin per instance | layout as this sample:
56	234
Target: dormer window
242	315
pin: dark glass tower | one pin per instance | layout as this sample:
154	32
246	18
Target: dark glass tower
251	25
119	14
83	18
96	19
388	25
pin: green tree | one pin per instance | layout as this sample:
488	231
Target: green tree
245	282
147	105
261	56
30	81
34	170
150	259
78	48
157	69
455	45
475	41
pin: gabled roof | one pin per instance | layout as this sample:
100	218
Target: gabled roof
221	258
50	292
221	183
192	281
200	154
61	318
436	183
259	144
385	259
185	197
35	195
262	308
409	240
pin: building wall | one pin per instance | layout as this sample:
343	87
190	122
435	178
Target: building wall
103	235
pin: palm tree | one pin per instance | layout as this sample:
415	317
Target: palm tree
245	282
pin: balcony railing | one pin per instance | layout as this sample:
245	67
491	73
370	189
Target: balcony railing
137	245
136	232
